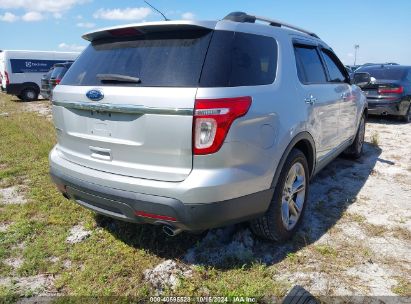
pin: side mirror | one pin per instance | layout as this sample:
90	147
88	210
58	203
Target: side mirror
361	79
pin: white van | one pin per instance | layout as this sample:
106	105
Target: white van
21	71
2	76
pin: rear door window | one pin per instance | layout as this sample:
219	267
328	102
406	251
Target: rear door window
239	59
334	67
309	66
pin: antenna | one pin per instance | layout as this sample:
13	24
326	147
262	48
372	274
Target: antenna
165	18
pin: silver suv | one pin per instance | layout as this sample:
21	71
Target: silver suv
193	125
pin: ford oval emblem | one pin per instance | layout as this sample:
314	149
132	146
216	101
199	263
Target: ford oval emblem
95	95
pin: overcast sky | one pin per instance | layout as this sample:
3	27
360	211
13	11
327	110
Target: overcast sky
380	28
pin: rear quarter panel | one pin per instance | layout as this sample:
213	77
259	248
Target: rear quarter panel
257	141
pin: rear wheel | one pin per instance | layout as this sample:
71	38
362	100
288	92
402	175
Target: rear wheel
28	94
355	150
407	117
287	205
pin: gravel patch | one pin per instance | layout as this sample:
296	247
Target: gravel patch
4	227
41	107
14	262
54	259
374	278
166	275
77	234
12	195
67	264
41	285
222	246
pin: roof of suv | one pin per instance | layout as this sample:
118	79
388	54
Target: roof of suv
234	18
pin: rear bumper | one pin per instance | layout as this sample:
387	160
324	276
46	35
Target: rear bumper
45	93
397	108
14	88
123	205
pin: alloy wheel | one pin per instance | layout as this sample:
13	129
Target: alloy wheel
361	135
293	196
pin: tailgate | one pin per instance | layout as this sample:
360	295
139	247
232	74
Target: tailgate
139	132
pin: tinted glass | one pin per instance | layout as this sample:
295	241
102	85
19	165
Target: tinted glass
239	59
333	67
48	75
408	77
169	59
385	73
309	66
58	72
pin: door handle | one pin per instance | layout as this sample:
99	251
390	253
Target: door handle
310	100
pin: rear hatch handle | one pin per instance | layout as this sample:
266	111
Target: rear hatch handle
101	153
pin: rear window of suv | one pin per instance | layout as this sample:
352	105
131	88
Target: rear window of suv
190	58
58	71
385	73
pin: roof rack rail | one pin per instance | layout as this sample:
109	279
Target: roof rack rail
244	17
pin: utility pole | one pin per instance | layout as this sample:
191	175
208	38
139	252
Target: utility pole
356	47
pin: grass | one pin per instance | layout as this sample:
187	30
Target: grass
403	288
112	260
375	137
326	250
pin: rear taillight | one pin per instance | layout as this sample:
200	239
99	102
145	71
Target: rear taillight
212	121
7	78
396	90
58	81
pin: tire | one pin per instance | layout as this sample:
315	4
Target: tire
298	295
29	94
355	150
280	221
407	117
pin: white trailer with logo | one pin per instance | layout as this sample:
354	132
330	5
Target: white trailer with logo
21	71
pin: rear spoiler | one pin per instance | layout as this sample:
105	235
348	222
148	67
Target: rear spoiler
137	29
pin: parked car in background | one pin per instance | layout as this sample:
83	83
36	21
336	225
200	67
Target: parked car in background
59	70
197	124
352	68
23	70
385	63
349	70
45	88
390	91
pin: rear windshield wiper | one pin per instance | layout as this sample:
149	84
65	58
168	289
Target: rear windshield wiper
117	78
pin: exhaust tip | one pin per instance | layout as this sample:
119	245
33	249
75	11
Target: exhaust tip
171	231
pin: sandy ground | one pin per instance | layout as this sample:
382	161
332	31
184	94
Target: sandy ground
355	238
